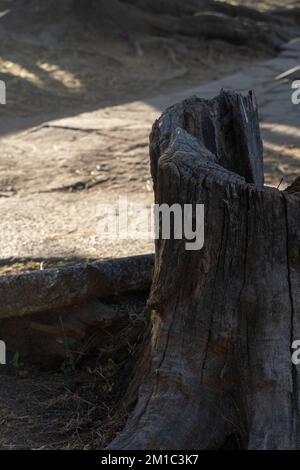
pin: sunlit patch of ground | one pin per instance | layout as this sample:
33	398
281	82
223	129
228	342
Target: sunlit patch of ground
281	153
263	5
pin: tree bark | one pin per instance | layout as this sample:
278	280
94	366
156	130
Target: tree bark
42	291
217	363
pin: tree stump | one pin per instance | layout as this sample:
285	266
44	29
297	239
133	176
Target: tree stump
217	362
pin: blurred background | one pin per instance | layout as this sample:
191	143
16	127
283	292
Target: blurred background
86	79
63	56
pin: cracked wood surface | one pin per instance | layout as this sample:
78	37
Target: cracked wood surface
224	317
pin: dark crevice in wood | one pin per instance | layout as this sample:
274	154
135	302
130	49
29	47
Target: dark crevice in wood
290	290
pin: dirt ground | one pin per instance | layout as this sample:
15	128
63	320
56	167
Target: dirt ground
53	176
72	399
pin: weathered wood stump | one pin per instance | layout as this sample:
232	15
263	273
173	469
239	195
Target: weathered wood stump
217	363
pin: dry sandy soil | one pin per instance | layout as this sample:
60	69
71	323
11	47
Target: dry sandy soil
54	174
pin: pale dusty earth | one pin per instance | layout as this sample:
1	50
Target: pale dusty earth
74	135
